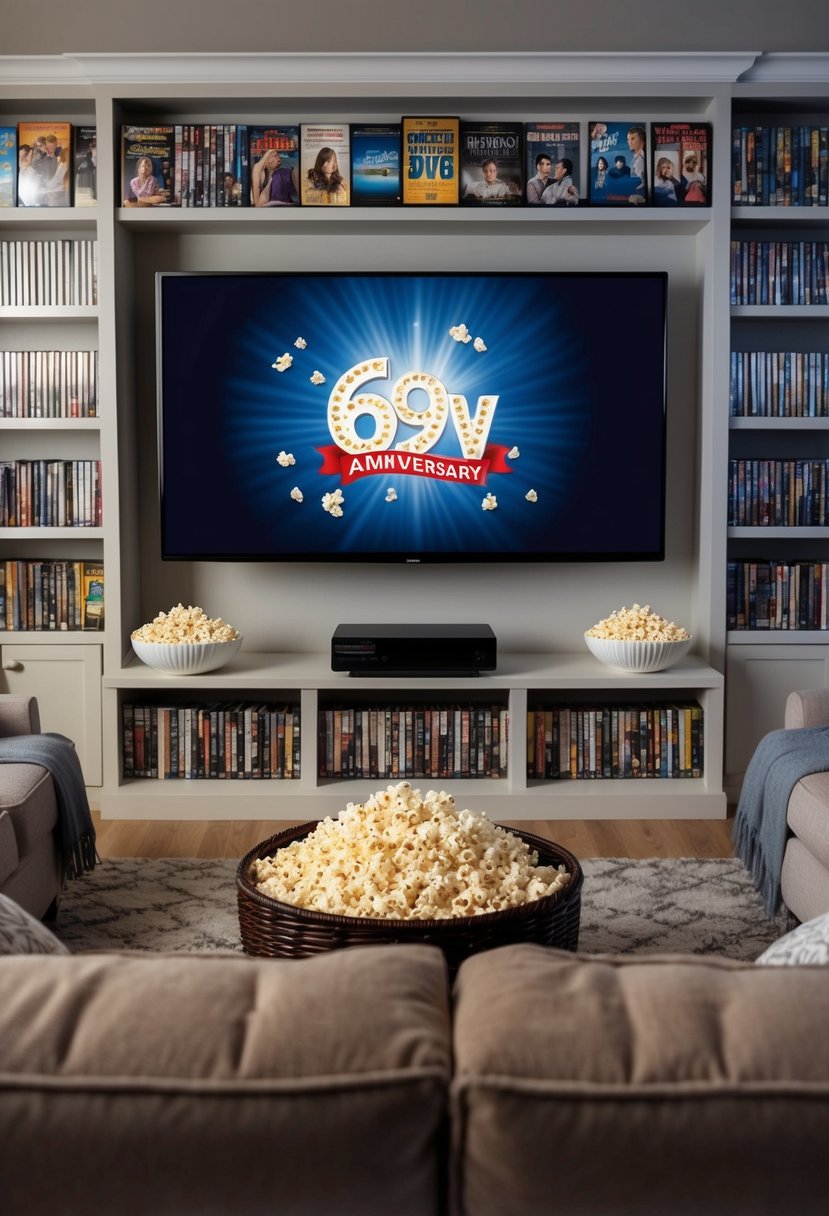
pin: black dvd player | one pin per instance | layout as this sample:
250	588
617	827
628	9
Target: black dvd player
413	650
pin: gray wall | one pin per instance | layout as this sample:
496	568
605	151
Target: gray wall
54	26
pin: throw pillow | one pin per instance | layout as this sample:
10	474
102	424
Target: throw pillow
21	933
808	943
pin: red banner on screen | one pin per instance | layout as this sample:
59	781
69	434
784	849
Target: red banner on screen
414	464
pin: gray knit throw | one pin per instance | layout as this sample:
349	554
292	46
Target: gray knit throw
76	835
780	760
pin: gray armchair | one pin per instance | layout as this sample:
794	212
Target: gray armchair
30	871
804	878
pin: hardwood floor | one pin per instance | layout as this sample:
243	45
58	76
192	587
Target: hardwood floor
585	838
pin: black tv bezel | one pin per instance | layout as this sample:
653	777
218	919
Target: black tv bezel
426	557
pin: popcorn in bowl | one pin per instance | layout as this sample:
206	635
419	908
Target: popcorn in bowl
403	855
638	624
185	641
184	625
636	639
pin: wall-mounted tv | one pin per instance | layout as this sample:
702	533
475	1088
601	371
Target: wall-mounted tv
412	417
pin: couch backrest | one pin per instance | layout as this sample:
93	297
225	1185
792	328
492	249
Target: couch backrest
165	1085
174	1084
653	1085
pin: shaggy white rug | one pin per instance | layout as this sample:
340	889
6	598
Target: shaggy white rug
701	906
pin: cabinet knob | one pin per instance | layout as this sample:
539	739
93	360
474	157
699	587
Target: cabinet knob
13	665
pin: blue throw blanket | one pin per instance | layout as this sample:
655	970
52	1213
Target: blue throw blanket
781	759
76	836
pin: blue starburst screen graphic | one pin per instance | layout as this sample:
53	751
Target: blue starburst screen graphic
412	417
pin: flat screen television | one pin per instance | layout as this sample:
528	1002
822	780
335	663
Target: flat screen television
412	417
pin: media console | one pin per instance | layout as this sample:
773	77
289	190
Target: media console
522	683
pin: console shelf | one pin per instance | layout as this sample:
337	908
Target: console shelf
520	679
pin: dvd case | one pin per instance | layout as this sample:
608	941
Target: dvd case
8	166
553	163
86	167
618	164
147	166
492	163
273	155
324	164
430	170
44	177
375	164
681	160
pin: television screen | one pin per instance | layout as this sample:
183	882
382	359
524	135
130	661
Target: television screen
412	417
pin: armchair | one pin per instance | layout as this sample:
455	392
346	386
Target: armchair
804	878
30	868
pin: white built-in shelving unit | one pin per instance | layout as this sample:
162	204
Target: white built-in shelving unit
762	666
287	613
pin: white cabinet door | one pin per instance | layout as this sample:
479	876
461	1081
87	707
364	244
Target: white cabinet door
758	681
67	683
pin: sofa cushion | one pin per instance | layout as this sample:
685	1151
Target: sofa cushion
220	1083
808	943
648	1085
20	933
808	814
27	793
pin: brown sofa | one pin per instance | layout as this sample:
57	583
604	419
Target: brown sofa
357	1084
29	855
804	879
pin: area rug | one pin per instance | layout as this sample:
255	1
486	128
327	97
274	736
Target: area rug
701	906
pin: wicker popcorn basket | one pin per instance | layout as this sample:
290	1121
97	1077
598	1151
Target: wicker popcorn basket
272	929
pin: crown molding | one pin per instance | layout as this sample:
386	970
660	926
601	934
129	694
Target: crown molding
395	67
40	69
788	68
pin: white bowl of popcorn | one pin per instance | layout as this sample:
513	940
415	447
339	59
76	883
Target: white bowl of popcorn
638	640
186	642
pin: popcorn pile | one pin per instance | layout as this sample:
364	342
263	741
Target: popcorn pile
185	625
638	624
404	856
